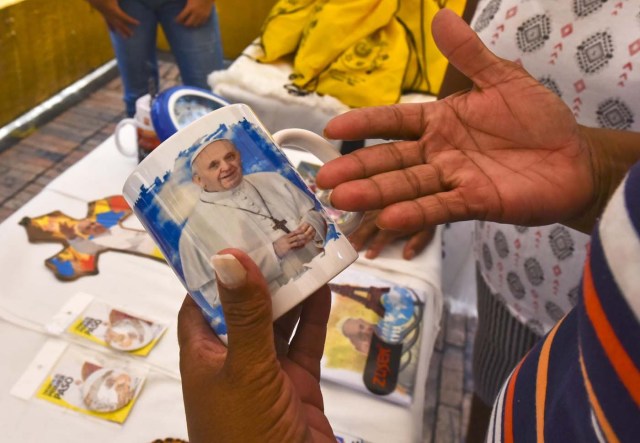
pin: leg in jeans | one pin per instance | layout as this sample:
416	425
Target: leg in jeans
198	51
136	55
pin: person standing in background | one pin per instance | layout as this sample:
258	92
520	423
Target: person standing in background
191	27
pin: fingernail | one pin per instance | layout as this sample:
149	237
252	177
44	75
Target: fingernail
324	196
229	270
410	254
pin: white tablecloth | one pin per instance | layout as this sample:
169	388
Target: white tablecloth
30	295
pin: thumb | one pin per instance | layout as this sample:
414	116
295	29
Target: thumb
246	304
464	49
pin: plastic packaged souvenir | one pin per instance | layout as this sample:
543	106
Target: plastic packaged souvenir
373	336
87	318
83	381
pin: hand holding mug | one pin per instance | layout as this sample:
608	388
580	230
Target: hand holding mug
221	393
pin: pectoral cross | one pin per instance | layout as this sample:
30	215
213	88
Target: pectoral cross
280	224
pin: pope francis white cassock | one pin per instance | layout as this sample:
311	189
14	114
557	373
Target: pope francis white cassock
263	214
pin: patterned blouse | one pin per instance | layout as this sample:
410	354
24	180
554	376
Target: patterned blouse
588	53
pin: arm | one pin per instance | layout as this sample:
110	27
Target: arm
305	207
529	164
201	239
317	222
612	154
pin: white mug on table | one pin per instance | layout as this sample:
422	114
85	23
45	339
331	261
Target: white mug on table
146	138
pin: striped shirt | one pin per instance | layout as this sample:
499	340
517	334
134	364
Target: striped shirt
582	382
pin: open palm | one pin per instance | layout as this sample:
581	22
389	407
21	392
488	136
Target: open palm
503	151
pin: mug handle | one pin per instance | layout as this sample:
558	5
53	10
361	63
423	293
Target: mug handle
126	151
324	151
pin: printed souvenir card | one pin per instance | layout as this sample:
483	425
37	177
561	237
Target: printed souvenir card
85	239
83	381
90	319
373	336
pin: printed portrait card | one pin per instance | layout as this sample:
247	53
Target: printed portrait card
85	317
86	382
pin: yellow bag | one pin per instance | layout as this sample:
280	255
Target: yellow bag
335	26
362	52
370	72
282	29
426	66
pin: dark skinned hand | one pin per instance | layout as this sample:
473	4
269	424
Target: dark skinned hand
248	391
370	237
509	150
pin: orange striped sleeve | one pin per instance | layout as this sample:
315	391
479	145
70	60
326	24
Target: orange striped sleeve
595	405
620	360
541	381
508	409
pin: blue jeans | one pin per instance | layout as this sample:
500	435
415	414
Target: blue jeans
197	51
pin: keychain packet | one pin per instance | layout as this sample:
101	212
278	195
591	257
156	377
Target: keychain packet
86	382
374	336
87	318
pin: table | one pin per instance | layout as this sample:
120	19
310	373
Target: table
30	295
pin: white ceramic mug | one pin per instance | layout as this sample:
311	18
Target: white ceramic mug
146	139
223	181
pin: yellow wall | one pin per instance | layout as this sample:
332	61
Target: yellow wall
240	23
4	3
45	46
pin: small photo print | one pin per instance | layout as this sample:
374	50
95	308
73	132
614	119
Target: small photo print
92	385
233	188
117	329
86	317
